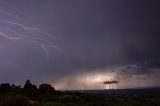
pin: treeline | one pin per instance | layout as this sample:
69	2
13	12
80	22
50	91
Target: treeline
46	95
28	90
31	95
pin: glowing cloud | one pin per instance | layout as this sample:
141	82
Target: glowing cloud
86	81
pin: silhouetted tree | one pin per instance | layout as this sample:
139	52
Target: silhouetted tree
27	84
16	89
45	91
5	87
46	88
30	90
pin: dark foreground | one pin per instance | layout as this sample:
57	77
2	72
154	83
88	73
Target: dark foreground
46	95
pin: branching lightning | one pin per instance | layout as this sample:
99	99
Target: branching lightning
46	50
110	83
22	26
34	35
10	38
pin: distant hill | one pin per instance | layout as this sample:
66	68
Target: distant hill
135	91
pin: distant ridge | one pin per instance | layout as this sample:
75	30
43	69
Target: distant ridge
130	91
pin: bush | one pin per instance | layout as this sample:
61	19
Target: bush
17	100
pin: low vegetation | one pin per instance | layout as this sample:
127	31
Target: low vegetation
46	95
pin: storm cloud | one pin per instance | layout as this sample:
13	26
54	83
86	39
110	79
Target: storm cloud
75	38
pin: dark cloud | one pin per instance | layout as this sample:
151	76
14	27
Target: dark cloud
92	35
110	82
141	68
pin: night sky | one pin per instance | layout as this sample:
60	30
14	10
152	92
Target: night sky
79	44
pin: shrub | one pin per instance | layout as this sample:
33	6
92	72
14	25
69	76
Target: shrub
16	100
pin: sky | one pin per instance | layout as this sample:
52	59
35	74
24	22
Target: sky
79	44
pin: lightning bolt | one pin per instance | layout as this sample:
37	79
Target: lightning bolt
35	35
23	26
10	38
46	50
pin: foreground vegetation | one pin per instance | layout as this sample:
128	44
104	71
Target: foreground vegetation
46	95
